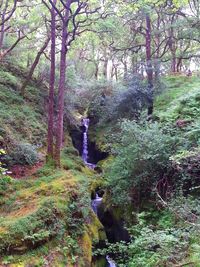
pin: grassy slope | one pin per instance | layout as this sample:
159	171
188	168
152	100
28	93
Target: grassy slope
180	100
46	219
21	118
37	224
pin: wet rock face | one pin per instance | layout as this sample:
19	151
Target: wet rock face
94	154
77	139
114	228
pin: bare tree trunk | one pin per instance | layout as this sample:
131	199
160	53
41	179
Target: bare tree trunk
149	68
179	65
61	89
34	65
116	73
125	70
51	86
173	63
105	65
172	46
105	69
96	74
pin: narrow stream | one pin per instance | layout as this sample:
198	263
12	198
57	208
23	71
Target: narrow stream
98	200
95	204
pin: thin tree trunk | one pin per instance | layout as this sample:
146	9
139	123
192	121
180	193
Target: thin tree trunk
125	69
105	65
96	74
61	89
105	69
149	68
173	64
34	65
51	86
3	25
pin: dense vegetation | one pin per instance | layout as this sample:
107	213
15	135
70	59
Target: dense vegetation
131	68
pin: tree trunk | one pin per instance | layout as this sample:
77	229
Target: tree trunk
149	69
96	74
172	46
125	70
61	89
51	86
105	69
105	65
35	63
173	63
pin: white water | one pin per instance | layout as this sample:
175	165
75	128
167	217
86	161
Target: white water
95	204
86	123
97	201
110	261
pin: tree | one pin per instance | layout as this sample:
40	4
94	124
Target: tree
34	65
50	149
74	20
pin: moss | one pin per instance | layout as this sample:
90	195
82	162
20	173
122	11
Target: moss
86	245
94	234
21	118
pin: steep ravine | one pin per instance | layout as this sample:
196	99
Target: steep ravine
114	228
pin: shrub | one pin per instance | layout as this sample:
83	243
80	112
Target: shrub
5	181
142	158
23	154
124	102
2	169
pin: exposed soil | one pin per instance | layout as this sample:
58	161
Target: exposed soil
22	172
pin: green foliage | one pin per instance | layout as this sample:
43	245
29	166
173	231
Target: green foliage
8	79
180	100
2	169
20	118
142	157
77	212
23	154
5	181
127	101
32	229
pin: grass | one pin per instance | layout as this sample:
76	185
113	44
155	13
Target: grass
35	219
21	118
180	100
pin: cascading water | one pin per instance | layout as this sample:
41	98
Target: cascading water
110	262
97	201
95	204
86	123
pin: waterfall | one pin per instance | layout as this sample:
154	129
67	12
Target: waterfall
85	140
110	262
98	200
95	204
86	123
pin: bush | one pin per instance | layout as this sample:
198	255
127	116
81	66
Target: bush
23	154
2	169
142	159
124	102
5	181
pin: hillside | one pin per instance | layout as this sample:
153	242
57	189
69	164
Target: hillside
45	218
21	118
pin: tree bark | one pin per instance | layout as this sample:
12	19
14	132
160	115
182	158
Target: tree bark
149	69
61	88
105	65
34	65
51	87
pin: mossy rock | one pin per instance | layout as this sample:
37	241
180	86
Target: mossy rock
20	234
